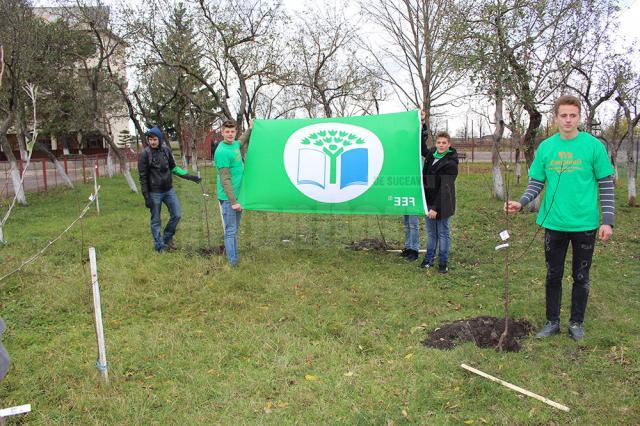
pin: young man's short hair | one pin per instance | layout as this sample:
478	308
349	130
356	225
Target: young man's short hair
443	134
229	124
566	100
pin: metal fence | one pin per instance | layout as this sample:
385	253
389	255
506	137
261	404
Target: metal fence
43	175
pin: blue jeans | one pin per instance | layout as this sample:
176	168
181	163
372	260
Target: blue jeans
411	232
170	198
437	234
231	224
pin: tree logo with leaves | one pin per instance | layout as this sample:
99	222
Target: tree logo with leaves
333	162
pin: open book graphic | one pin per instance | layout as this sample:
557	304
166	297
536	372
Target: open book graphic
311	167
354	167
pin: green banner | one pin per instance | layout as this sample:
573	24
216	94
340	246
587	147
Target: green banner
348	165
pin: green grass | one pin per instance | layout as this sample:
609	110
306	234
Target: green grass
192	341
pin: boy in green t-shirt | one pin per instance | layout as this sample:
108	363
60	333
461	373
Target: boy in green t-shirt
575	167
230	167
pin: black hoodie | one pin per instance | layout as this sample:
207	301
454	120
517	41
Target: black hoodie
439	182
155	165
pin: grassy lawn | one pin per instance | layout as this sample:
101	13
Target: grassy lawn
304	330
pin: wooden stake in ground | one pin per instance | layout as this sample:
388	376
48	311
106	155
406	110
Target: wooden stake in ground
95	186
206	214
516	388
14	411
101	363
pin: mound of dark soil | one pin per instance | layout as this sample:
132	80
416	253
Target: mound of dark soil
368	244
205	251
483	331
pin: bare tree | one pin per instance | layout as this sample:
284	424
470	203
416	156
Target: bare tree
326	74
16	21
102	93
32	93
420	56
597	69
629	101
533	46
245	48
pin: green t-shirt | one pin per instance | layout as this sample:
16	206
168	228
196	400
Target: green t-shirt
228	155
571	169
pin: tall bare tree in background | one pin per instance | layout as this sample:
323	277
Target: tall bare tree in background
326	73
533	46
629	100
420	55
102	92
16	36
244	49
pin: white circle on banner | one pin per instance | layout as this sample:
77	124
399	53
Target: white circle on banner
333	162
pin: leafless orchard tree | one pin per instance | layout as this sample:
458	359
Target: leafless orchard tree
420	55
244	50
629	100
102	93
15	22
326	73
533	46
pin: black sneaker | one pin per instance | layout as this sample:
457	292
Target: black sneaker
443	268
404	252
411	256
426	264
576	332
550	328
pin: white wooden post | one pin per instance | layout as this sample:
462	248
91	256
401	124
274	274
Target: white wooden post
95	186
101	364
516	388
14	411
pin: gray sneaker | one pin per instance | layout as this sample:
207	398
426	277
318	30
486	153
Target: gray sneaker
550	328
576	332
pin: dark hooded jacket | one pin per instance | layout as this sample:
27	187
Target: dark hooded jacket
439	183
155	165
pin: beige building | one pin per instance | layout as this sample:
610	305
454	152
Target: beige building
83	140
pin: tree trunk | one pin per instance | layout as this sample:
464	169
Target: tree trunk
59	167
111	170
518	165
194	155
18	188
13	163
631	173
498	184
122	159
21	136
614	162
65	146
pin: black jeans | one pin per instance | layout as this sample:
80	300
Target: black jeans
555	252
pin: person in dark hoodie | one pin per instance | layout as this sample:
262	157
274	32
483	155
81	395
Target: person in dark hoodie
439	176
155	166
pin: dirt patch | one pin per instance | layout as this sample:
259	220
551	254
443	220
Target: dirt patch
368	244
483	331
205	251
